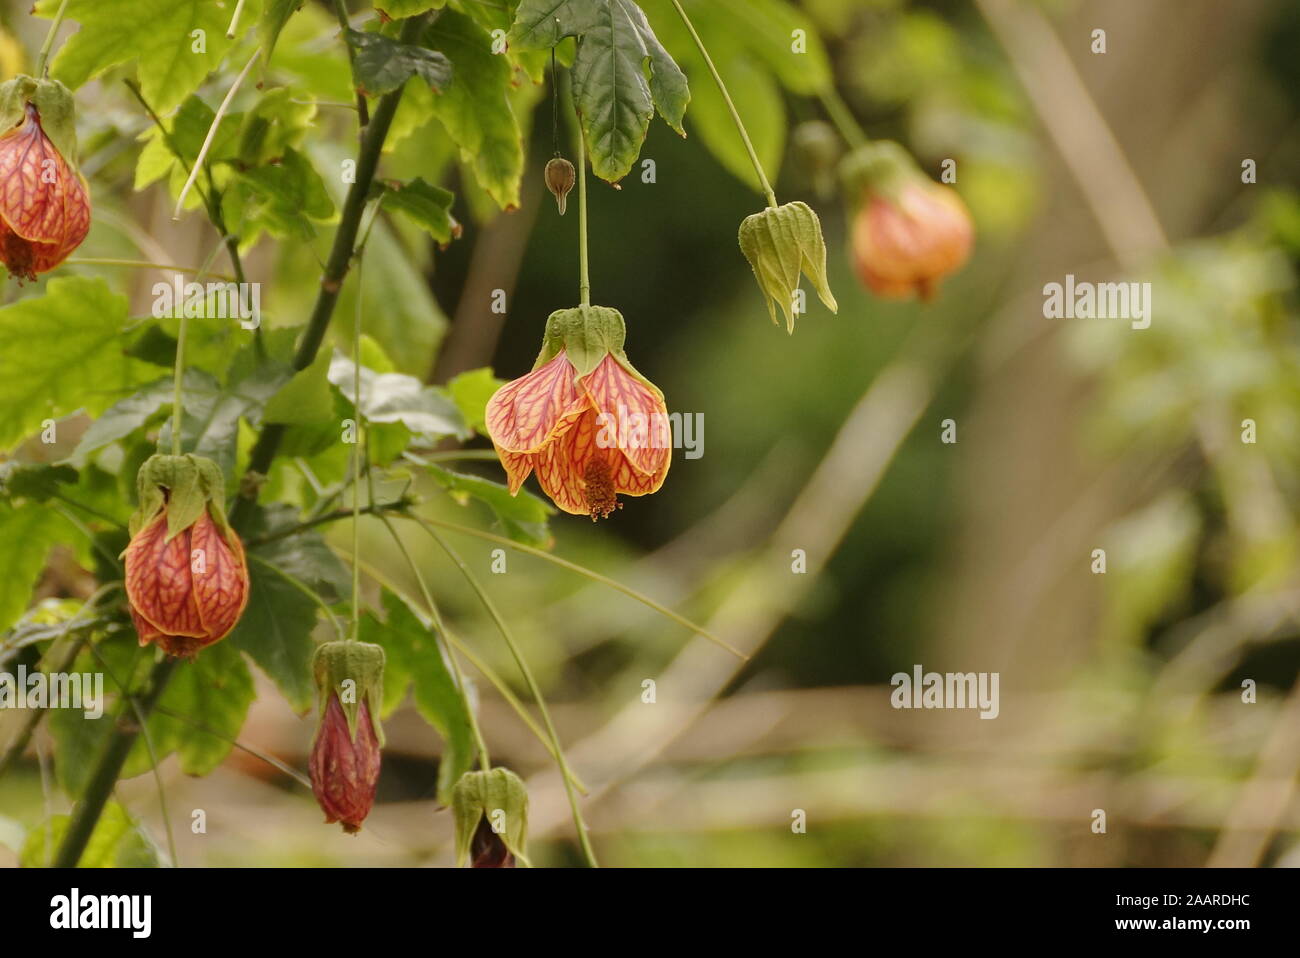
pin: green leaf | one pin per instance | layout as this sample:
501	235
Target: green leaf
116	842
400	9
62	352
382	64
615	100
306	398
213	691
157	35
522	517
275	14
211	412
284	199
475	109
185	134
415	659
28	532
276	627
396	397
126	416
471	391
427	206
37	481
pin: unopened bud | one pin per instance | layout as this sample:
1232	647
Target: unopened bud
560	177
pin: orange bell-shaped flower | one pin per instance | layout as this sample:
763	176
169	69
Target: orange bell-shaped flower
44	201
909	231
584	419
186	576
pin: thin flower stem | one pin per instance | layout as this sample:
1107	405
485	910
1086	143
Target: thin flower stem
590	574
363	112
735	115
584	276
148	745
356	461
178	361
440	636
43	57
372	508
578	823
271	760
104	775
141	264
842	117
234	20
178	374
212	133
483	668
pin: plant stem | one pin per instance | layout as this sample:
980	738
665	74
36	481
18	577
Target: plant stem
212	133
234	20
356	463
43	57
578	823
178	373
584	278
336	268
363	113
109	764
735	115
373	508
590	574
141	264
842	117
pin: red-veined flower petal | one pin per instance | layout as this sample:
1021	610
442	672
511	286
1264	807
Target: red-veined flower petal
633	416
527	413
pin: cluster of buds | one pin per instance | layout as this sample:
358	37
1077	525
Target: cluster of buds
345	756
908	231
566	419
491	813
44	200
186	577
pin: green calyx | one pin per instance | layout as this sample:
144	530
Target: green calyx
881	167
499	796
53	102
587	334
184	486
354	671
781	243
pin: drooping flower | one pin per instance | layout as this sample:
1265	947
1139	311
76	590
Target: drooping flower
186	577
491	813
783	243
584	419
44	201
909	231
346	753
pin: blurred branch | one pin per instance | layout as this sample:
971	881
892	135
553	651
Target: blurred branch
1081	134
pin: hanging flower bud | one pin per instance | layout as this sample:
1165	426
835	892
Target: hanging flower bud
560	177
186	578
781	243
345	755
589	424
491	812
44	201
909	231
